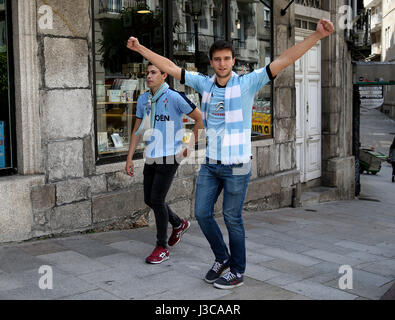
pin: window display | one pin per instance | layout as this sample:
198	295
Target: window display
193	26
119	72
197	24
251	35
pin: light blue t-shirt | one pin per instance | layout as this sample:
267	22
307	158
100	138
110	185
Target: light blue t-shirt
250	84
166	139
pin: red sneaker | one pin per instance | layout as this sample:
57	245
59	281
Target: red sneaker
159	255
178	232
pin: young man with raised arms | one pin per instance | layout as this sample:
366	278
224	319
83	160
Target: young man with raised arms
227	100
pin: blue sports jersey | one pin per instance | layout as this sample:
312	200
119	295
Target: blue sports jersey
166	139
250	84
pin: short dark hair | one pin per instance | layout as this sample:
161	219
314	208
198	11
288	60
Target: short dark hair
220	45
151	64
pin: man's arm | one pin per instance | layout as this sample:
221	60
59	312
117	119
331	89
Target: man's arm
134	141
197	129
164	64
324	29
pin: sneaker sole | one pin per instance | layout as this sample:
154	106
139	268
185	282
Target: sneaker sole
212	281
179	239
227	287
152	262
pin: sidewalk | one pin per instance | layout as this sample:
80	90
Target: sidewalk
291	254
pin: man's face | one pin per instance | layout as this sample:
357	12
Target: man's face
222	62
154	77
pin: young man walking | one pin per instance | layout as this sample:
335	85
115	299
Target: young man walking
160	110
227	101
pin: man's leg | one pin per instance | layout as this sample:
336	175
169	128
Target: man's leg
235	189
163	178
208	188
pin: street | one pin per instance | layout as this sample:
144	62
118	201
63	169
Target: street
339	250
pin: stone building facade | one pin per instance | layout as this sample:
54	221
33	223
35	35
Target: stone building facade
60	188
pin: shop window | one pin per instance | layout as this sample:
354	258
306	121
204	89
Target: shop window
120	72
251	34
7	134
197	25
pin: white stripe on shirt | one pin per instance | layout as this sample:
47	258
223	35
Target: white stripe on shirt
233	139
234	116
233	92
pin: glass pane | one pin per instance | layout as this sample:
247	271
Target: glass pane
5	139
251	36
196	26
120	72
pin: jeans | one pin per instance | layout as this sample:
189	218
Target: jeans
212	179
157	182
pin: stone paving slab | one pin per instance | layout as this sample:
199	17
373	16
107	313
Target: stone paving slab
13	259
96	294
64	285
318	291
72	262
364	248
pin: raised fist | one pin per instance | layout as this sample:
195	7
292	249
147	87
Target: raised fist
325	28
133	43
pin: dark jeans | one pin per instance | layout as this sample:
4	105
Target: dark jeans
212	179
393	168
157	182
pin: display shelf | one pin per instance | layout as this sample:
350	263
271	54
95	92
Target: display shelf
104	102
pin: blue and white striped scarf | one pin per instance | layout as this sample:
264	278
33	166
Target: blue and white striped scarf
235	144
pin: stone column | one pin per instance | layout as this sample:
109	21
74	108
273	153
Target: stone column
26	87
337	160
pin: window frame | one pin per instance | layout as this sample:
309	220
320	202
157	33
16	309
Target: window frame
12	168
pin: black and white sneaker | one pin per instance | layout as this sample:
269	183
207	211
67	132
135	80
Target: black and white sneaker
216	270
229	281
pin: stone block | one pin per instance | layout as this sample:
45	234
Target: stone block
41	222
281	34
66	63
73	190
285	106
183	209
16	206
117	205
89	156
181	188
66	114
43	197
268	160
330	146
98	184
70	18
187	169
330	122
263	165
284	130
286	154
72	217
286	197
262	188
65	160
254	163
120	180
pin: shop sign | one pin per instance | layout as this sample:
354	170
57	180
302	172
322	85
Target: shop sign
261	123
